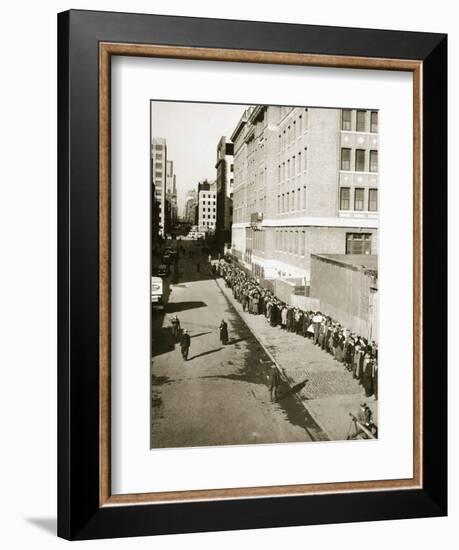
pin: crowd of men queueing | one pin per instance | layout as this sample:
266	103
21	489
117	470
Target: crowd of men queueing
357	354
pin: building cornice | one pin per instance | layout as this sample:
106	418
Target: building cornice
315	221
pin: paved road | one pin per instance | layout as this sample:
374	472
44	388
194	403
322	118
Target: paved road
220	396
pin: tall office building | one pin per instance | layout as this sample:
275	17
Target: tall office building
207	207
224	190
305	182
159	158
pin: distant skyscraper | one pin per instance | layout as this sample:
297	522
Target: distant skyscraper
159	158
224	190
191	205
207	206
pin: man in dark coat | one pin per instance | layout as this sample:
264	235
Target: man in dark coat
185	344
223	332
274	384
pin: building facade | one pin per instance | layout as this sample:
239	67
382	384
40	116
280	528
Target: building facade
191	207
158	158
224	191
207	207
164	187
171	195
305	182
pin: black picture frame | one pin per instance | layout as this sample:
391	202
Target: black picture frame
80	515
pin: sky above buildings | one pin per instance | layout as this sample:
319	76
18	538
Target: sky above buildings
192	132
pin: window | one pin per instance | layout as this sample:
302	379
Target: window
346	119
358	198
283	203
303	243
373	200
288	201
305	158
304	197
293	200
288	169
358	243
298	198
374	122
299	163
345	198
373	161
361	126
305	120
345	159
359	160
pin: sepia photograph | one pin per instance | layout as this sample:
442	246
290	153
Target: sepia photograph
264	274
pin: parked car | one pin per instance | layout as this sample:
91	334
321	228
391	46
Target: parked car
157	298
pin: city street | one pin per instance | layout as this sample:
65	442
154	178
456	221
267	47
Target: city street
221	395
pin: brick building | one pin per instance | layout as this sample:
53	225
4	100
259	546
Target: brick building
305	182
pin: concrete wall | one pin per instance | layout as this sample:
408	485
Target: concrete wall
344	294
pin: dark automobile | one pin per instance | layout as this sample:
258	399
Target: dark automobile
162	270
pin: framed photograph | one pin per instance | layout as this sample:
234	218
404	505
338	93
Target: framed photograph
252	274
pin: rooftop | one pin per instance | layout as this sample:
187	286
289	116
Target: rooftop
365	262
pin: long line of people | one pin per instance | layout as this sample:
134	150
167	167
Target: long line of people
359	356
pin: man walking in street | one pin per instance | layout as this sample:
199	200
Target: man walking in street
223	332
175	328
275	384
185	344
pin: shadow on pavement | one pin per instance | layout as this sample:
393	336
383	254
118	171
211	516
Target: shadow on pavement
201	334
205	353
293	390
183	306
235	341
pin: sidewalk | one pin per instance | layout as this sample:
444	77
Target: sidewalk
327	390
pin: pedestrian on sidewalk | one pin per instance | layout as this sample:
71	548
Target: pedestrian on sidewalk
223	332
274	384
185	343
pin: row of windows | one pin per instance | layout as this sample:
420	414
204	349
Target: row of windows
294	165
290	241
360	121
359	199
208	209
293	130
209	216
292	200
212	202
360	160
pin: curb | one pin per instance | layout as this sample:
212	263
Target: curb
322	432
